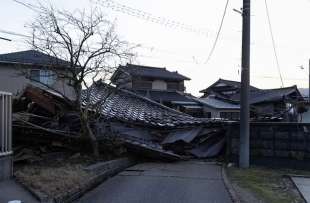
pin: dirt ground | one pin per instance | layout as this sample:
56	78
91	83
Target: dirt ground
265	184
54	176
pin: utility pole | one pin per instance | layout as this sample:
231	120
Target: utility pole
244	151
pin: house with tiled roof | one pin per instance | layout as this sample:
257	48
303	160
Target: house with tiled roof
222	100
19	69
158	84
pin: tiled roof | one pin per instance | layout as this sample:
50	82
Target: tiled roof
217	103
32	57
232	83
150	72
123	105
271	95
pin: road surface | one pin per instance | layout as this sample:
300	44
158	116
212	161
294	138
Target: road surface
10	190
183	182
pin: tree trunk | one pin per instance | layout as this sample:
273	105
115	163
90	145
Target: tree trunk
87	132
94	141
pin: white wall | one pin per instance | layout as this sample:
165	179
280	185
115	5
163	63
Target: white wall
159	85
12	80
306	116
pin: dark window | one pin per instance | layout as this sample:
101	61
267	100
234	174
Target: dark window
229	92
35	75
142	85
230	115
207	115
173	86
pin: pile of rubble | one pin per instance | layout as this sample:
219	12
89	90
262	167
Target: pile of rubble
145	127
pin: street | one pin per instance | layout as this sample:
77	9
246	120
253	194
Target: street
183	182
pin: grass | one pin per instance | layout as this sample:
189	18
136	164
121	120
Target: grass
267	184
54	176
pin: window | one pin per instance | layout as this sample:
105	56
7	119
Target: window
229	92
207	115
230	115
172	85
46	77
142	85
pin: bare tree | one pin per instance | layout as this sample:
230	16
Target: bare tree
89	44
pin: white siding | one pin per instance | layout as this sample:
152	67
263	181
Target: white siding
159	85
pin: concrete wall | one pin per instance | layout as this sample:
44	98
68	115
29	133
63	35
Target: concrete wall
12	80
6	167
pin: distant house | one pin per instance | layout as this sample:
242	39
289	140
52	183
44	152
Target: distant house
218	108
18	69
158	84
222	100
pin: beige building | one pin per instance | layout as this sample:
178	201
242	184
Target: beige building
19	69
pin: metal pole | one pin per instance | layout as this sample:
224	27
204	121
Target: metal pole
244	152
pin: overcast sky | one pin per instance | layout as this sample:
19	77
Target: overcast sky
186	52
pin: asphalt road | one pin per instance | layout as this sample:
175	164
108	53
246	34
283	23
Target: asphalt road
10	190
183	182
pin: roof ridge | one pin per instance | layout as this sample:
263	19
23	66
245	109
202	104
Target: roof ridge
281	88
144	66
32	57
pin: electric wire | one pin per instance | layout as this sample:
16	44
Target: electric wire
152	18
30	6
273	43
218	33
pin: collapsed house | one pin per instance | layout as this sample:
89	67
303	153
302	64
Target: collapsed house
145	127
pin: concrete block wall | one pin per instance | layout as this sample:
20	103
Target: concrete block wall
274	141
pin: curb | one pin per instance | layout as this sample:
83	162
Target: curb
289	176
43	198
103	171
229	187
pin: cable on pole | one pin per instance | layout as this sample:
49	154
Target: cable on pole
218	33
273	43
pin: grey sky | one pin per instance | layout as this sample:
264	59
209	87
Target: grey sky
186	52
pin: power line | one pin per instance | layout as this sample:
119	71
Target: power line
14	33
274	77
218	33
30	6
152	18
6	39
273	43
150	48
